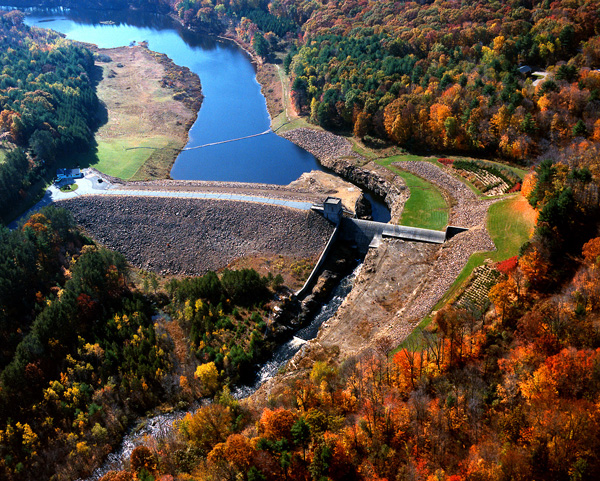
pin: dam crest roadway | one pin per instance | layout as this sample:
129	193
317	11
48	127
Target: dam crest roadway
363	233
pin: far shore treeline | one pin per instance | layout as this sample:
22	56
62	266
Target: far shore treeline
430	76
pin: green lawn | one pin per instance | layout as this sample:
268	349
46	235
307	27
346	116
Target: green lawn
113	159
510	224
426	207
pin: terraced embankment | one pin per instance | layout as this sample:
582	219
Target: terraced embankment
191	236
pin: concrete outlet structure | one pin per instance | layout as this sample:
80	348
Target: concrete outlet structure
333	210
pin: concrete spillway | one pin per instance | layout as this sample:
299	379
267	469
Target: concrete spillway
366	233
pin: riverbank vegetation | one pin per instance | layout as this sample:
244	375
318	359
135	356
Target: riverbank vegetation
150	104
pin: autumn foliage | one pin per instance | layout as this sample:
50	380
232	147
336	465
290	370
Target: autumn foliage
508	394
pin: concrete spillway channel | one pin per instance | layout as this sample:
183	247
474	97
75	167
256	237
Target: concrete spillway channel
369	234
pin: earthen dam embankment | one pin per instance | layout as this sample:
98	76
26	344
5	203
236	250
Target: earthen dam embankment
192	236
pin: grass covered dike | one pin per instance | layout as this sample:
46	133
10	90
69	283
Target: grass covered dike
426	207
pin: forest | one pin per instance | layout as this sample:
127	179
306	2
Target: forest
433	76
509	393
81	354
48	102
514	79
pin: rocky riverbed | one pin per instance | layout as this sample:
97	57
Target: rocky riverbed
192	236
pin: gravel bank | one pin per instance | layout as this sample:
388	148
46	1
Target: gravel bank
452	258
192	236
323	145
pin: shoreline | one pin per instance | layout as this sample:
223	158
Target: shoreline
149	102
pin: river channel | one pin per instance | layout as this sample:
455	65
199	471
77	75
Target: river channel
160	426
233	105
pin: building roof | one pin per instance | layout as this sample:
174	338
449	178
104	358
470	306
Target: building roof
525	69
333	201
68	172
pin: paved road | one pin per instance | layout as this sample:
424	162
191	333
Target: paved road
94	184
209	195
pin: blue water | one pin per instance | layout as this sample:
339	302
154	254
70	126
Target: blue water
233	105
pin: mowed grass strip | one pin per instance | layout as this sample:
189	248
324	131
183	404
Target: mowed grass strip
510	224
426	207
115	160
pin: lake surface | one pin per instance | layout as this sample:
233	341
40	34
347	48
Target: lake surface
233	105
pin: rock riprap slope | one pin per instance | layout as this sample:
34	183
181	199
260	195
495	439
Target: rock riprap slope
192	236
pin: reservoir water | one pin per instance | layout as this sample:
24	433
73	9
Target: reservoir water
233	105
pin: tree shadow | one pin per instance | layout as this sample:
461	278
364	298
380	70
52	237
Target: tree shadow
101	115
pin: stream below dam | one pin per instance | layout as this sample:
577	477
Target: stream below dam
161	425
233	108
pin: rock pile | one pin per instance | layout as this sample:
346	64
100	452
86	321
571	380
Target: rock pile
192	236
452	259
335	153
323	145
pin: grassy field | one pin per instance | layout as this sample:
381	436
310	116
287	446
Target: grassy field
426	207
112	158
139	113
510	224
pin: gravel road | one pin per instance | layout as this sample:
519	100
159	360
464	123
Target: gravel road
192	236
